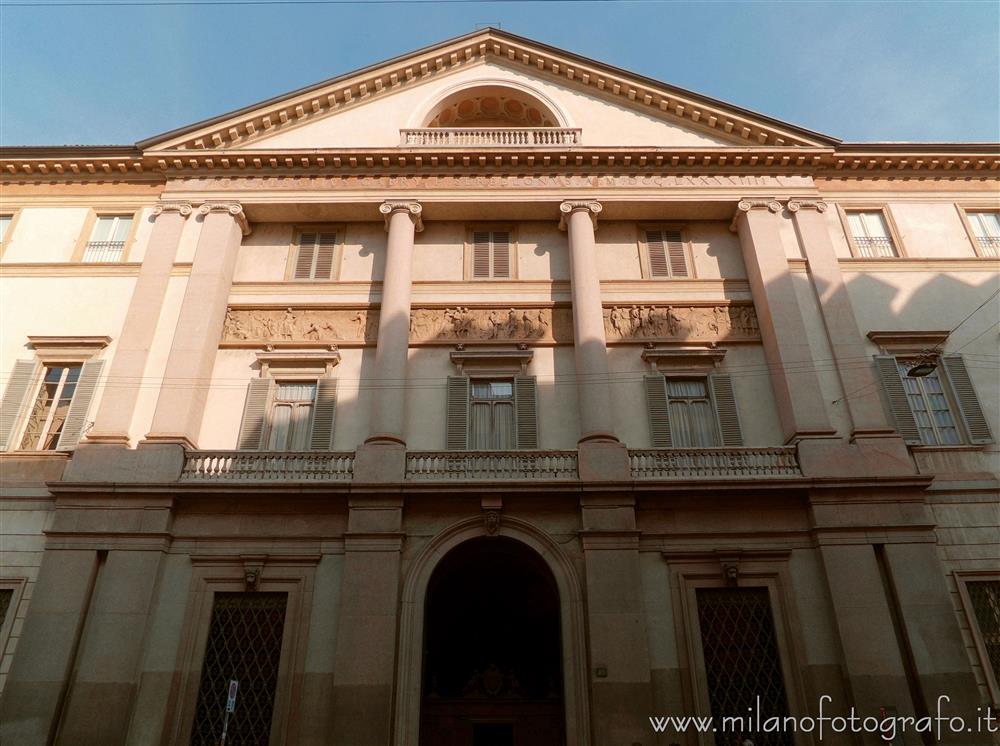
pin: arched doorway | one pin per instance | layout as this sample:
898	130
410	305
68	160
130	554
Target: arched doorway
492	673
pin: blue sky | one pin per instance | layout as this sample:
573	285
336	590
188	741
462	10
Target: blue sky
99	74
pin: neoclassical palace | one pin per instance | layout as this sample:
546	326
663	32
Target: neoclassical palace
495	396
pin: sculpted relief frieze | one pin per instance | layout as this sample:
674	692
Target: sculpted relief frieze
463	324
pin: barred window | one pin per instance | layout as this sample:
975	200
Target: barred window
985	598
107	240
244	644
741	659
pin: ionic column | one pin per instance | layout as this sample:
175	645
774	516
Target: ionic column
801	407
114	417
579	219
199	327
861	389
402	221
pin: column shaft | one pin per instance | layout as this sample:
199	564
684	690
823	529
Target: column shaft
184	392
114	417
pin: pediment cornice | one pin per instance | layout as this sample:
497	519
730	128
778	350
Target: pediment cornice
656	99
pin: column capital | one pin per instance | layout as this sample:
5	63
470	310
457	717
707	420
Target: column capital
745	205
808	203
570	206
235	209
410	206
181	208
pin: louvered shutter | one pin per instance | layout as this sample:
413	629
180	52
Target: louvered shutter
324	415
481	254
501	254
899	403
526	404
657	254
675	253
658	411
667	257
326	247
83	395
254	414
304	257
725	409
457	415
15	399
975	420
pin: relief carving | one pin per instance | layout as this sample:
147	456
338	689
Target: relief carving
680	322
270	325
489	324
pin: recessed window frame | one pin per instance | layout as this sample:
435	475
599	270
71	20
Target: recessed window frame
276	401
970	207
44	434
86	234
644	258
294	245
844	209
14	216
16	586
709	397
905	362
494	403
962	579
468	261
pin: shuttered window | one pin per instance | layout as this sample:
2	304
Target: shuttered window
492	414
51	406
315	255
290	421
692	413
666	254
491	255
289	415
926	409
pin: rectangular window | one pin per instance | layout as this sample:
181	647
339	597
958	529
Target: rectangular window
290	422
315	255
244	644
491	255
107	240
870	233
5	221
985	598
665	254
742	663
48	413
692	417
491	413
929	405
986	229
6	596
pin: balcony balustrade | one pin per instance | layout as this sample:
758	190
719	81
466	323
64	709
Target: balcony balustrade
989	245
103	251
491	465
264	466
714	463
530	137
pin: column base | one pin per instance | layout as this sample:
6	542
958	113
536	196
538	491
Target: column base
178	439
603	460
380	460
117	439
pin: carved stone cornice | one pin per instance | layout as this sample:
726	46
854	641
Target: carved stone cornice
234	209
795	204
181	208
570	206
412	207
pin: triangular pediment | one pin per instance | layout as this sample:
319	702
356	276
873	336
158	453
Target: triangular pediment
491	74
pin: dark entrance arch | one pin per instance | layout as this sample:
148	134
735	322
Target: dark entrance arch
492	653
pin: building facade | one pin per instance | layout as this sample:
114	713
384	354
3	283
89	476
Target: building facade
493	395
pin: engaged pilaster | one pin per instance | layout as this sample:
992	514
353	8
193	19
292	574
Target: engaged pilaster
199	327
801	407
128	368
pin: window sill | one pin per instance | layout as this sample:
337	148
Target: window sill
958	448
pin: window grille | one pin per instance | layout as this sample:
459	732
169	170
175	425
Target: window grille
107	242
985	598
741	659
986	227
871	234
244	643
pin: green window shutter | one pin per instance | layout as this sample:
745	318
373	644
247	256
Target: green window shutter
501	254
457	415
658	410
326	249
899	403
15	399
254	414
526	404
76	417
304	256
975	420
324	415
481	254
725	409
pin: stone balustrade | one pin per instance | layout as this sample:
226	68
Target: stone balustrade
264	466
714	463
489	136
491	465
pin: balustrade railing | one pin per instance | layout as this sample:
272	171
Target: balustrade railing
490	465
989	245
489	136
265	466
694	463
875	246
103	251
